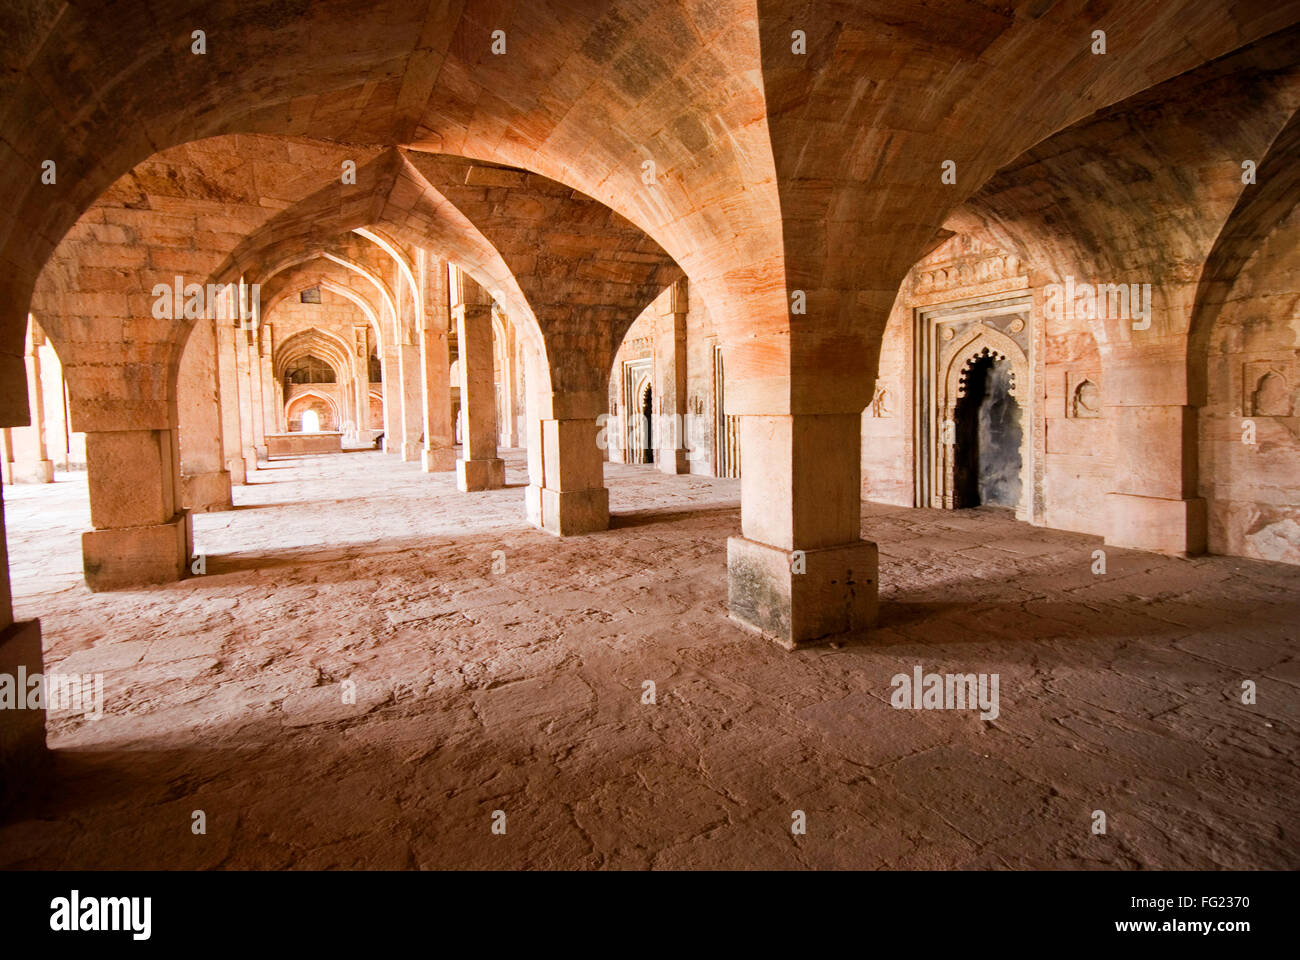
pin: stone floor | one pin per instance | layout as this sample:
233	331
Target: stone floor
521	691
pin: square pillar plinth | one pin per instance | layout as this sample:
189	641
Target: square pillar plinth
412	452
480	474
834	595
206	492
32	471
22	730
438	460
568	513
1151	523
672	461
121	557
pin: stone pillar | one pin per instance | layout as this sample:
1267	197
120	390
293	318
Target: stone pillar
6	589
272	399
205	482
58	440
30	445
800	571
670	390
391	361
509	374
256	395
479	467
228	385
1152	503
435	372
410	368
361	381
141	533
22	732
247	393
566	479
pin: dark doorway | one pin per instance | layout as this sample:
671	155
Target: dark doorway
986	467
647	428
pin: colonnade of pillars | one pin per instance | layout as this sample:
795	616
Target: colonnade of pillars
145	483
799	570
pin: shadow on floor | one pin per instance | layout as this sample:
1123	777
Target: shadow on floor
641	518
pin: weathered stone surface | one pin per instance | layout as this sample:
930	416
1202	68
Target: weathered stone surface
135	556
522	690
802	597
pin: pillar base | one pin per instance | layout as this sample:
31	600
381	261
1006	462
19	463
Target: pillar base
480	474
672	461
236	471
31	471
412	452
567	513
22	731
137	556
206	492
438	459
1161	526
835	595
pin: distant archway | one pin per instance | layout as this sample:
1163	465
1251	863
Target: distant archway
323	410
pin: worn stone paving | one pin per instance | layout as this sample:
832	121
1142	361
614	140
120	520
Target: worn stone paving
521	691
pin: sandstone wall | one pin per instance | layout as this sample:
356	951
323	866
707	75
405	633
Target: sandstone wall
1070	442
1253	367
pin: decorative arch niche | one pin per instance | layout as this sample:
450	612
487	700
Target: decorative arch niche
638	430
956	342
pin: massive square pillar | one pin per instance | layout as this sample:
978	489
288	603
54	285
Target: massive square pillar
392	387
29	446
22	727
141	534
566	470
1153	503
228	384
439	451
249	393
479	467
670	369
800	571
205	480
411	388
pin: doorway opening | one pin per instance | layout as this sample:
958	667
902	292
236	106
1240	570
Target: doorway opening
988	434
645	407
